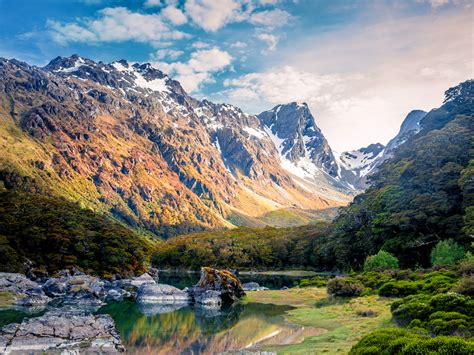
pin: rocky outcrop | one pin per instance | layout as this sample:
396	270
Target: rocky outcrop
65	333
223	284
161	293
253	286
16	283
142	280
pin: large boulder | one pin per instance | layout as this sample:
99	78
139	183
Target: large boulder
225	283
161	293
61	333
15	283
55	287
142	280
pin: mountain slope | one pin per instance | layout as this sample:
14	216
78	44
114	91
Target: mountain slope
127	140
420	195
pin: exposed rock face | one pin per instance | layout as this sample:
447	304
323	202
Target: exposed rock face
226	284
161	293
177	164
16	283
294	129
61	333
142	279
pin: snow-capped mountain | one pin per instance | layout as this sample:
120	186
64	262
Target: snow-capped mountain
126	139
357	165
411	125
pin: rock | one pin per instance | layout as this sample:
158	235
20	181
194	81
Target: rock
153	272
85	287
55	287
161	293
62	332
253	286
209	299
16	283
117	295
35	300
142	280
223	281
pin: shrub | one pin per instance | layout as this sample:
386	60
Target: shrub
400	341
437	313
372	279
344	286
380	261
400	288
447	253
466	267
317	281
465	286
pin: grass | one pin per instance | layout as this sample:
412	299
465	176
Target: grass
339	318
6	299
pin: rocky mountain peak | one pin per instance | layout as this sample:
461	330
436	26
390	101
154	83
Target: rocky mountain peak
293	129
410	126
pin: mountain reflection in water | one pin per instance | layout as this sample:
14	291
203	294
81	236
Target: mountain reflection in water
189	330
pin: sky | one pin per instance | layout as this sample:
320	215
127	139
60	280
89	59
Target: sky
361	66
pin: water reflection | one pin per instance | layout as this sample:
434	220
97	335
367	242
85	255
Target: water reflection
199	331
188	279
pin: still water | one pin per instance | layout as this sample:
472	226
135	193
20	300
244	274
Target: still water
190	330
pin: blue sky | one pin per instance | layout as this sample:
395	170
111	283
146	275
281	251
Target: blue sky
360	65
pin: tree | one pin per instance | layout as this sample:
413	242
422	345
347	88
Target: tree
380	261
447	253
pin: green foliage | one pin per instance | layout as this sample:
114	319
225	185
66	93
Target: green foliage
423	194
380	261
55	234
344	286
316	281
400	341
443	314
447	253
465	286
431	283
241	248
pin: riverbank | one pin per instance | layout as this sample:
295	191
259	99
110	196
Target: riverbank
343	321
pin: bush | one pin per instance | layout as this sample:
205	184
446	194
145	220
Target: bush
380	261
466	267
400	341
465	286
447	253
317	281
448	313
344	286
400	288
372	279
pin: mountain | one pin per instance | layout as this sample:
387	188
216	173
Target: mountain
358	165
411	125
127	140
421	194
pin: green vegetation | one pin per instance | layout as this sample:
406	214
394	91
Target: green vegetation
400	341
380	261
344	286
55	234
447	253
422	195
241	248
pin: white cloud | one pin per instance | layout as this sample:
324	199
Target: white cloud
166	54
269	39
212	15
198	69
239	45
379	71
153	3
116	25
174	15
270	18
200	45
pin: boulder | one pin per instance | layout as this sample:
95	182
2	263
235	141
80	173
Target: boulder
209	299
55	287
161	293
62	333
142	280
224	282
253	286
117	294
15	283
